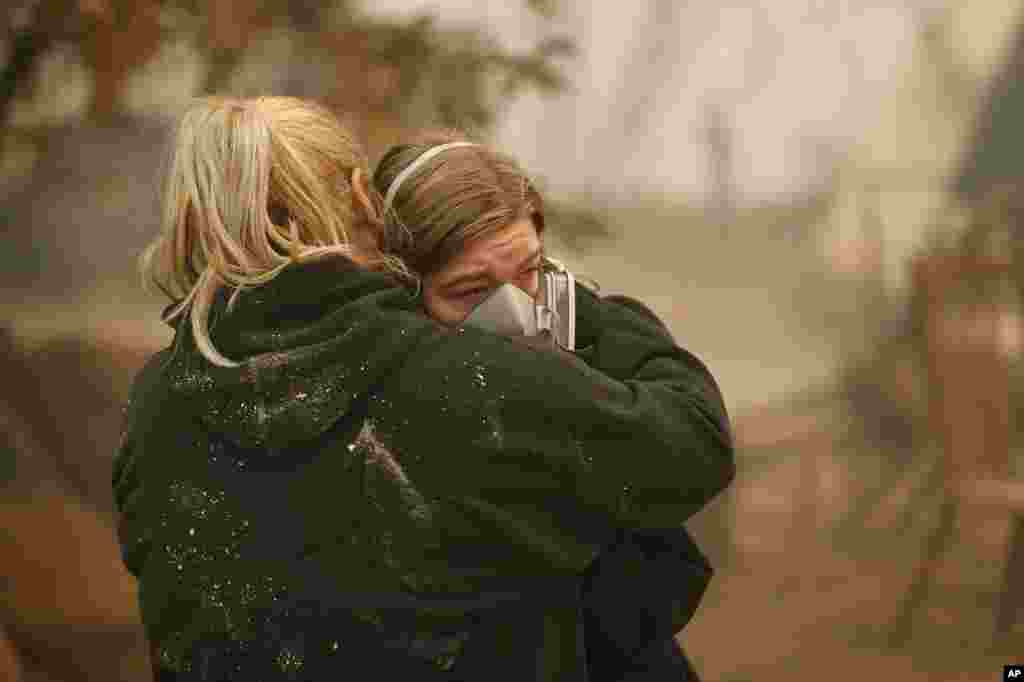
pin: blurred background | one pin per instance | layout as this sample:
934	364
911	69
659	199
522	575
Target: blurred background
821	197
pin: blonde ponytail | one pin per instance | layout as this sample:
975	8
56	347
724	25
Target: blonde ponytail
234	163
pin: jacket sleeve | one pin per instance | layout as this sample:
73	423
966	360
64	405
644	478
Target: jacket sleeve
625	340
633	305
636	437
132	538
134	533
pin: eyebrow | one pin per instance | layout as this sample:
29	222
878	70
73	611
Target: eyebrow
477	273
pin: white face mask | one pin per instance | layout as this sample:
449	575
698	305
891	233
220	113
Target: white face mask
558	293
510	311
507	310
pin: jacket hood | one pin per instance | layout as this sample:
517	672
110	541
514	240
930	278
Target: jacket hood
311	344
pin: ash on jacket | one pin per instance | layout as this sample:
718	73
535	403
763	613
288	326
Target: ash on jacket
369	487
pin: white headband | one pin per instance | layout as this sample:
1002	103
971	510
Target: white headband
412	167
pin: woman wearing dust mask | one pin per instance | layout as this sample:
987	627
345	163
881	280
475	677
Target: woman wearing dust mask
317	481
475	223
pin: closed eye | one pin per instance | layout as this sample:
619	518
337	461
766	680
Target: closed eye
477	291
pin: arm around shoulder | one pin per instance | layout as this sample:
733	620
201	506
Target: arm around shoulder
627	341
643	446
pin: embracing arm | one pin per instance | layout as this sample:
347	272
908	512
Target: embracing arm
626	340
623	339
635	437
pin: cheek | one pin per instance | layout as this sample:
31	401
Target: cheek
530	283
442	310
430	305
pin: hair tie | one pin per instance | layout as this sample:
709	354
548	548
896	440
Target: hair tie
417	163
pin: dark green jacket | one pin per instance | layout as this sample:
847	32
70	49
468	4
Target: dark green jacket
369	487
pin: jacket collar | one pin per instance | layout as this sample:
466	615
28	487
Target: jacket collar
310	344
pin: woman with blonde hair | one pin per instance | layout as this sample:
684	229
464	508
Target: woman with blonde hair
476	224
316	479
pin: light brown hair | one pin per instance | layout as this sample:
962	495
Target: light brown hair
459	195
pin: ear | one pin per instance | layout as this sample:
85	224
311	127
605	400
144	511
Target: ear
361	190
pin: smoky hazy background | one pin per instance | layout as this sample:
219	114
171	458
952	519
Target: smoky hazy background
818	196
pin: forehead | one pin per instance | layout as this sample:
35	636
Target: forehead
506	246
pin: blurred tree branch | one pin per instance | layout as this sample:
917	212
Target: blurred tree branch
120	35
384	75
446	76
29	41
230	27
456	76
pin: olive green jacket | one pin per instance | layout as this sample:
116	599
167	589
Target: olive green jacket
370	486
